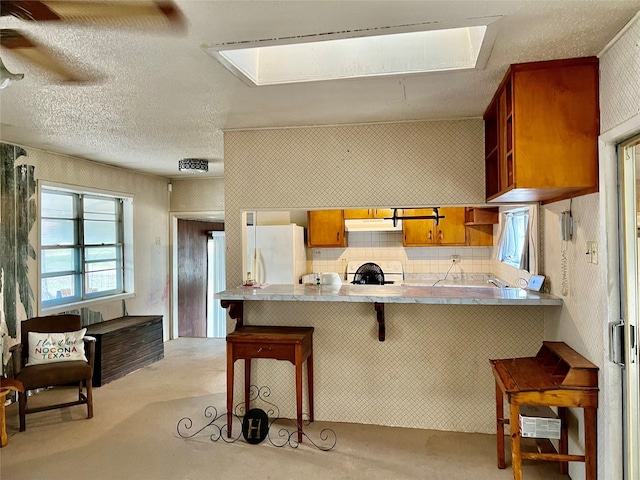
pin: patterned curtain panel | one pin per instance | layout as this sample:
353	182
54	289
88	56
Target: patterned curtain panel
17	218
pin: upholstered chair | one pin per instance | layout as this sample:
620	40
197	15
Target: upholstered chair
53	360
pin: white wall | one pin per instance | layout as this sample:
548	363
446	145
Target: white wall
151	227
197	195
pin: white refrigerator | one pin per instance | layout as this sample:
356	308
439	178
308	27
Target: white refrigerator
277	253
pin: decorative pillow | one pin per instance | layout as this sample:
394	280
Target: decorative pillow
56	347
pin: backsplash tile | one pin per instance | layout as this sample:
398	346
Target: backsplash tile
378	246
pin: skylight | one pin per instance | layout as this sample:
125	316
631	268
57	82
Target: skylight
369	54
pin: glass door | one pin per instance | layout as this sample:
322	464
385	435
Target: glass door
629	156
216	275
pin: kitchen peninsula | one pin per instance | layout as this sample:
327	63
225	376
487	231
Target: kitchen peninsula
448	295
381	294
431	370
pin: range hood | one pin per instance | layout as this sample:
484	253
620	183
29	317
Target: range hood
372	225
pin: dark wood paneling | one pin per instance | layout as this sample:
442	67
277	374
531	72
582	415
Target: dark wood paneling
192	276
124	345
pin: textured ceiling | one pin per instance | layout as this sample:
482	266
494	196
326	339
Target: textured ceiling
161	98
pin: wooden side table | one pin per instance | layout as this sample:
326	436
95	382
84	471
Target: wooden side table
557	377
6	385
294	344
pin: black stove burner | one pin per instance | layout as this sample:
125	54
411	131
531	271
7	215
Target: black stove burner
369	274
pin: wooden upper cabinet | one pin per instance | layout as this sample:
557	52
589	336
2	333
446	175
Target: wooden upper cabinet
422	233
353	214
541	131
480	235
417	232
325	228
480	215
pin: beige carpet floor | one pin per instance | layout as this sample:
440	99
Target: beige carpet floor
133	436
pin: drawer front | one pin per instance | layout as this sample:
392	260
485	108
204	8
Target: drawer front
253	350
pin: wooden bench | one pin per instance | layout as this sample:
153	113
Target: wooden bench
294	344
557	376
124	345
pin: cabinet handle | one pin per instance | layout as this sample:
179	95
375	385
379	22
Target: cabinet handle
430	235
368	211
338	237
440	235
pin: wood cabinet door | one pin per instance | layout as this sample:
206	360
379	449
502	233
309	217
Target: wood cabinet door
451	229
352	214
417	233
383	212
326	228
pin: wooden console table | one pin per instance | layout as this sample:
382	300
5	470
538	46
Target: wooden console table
294	344
124	345
557	376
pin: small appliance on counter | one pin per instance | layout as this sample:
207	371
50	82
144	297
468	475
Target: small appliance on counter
375	273
330	278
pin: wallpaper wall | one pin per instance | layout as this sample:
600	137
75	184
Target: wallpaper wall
399	164
582	322
619	77
432	371
151	227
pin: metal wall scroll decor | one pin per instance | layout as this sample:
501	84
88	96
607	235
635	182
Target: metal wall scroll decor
256	425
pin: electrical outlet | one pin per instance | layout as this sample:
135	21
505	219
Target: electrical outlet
455	258
589	260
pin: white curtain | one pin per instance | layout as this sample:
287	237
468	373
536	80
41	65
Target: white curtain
497	249
216	315
532	233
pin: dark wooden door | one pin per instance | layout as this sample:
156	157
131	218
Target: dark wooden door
192	276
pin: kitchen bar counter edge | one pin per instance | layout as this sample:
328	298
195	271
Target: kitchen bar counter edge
392	294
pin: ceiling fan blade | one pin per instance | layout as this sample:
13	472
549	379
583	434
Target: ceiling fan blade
43	57
145	15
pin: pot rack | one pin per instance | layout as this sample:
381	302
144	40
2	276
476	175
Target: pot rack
436	216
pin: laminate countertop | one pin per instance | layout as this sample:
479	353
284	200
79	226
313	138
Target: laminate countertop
443	295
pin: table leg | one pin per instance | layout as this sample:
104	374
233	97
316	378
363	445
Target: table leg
299	392
563	444
500	426
310	384
247	384
3	427
590	454
229	388
514	426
